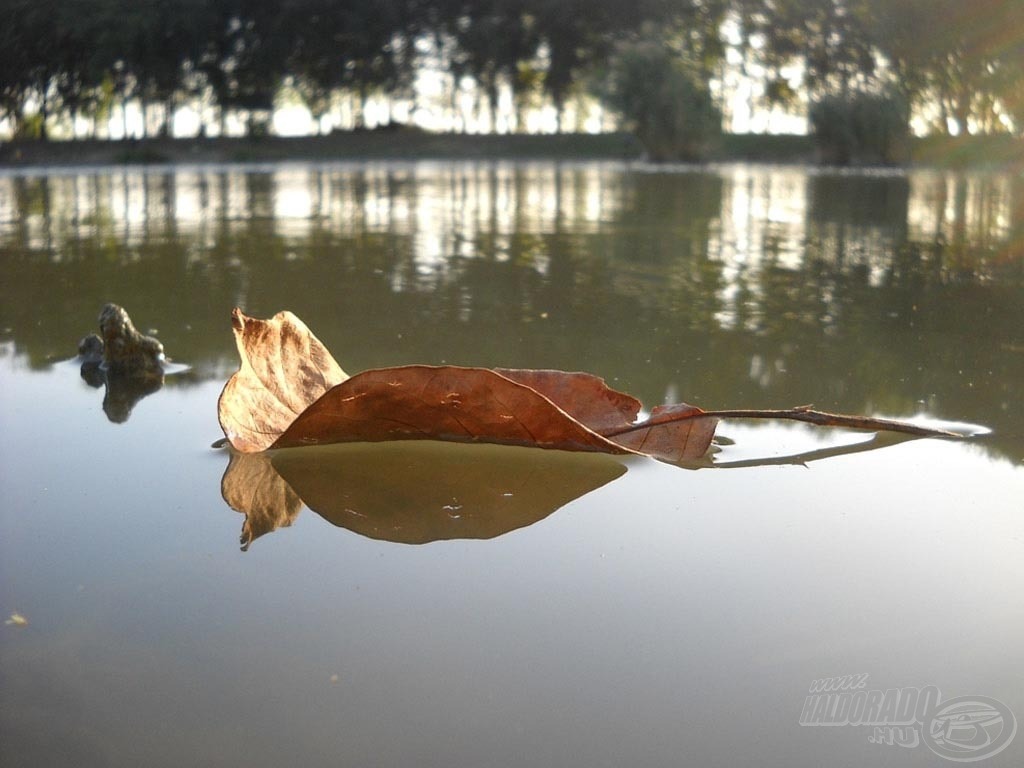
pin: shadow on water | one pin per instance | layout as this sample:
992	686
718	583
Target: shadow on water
745	287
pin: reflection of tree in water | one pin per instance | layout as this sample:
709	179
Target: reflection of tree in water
743	288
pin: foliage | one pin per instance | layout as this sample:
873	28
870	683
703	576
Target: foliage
660	96
960	62
862	129
829	40
965	57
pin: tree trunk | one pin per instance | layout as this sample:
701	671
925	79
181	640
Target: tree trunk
458	121
962	110
44	113
167	129
359	113
492	105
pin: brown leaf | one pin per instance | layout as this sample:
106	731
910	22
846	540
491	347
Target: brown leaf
583	396
289	392
284	369
480	405
439	403
673	433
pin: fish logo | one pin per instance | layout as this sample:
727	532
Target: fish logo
969	728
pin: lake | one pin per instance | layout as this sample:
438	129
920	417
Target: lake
804	597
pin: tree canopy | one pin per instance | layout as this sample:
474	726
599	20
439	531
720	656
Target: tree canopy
958	64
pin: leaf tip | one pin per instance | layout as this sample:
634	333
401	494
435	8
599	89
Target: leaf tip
238	319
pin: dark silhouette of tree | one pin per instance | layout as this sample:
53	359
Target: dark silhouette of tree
963	59
40	61
660	95
828	39
966	57
492	38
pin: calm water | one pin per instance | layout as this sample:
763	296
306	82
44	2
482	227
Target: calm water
471	606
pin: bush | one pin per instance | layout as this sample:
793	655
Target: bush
28	126
663	101
863	129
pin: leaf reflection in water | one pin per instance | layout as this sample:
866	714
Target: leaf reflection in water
416	492
253	487
411	492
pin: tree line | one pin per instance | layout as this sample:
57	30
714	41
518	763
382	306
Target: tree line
957	64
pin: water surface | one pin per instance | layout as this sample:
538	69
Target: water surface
612	612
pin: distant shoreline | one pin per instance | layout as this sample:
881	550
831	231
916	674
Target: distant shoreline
355	146
1004	153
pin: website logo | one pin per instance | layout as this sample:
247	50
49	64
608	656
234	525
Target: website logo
963	729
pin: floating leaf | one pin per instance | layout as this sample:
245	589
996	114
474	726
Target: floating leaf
289	392
471	405
285	368
583	396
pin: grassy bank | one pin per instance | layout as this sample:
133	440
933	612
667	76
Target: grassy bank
990	152
949	152
370	145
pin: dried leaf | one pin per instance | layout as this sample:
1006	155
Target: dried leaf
439	403
284	369
583	396
290	392
480	405
673	433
